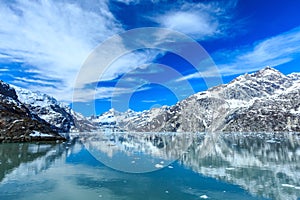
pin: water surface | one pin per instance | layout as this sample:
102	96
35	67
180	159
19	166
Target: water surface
133	167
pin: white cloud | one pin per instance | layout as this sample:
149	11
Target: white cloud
203	74
201	25
35	81
129	1
128	63
90	94
272	51
200	20
53	38
4	70
151	101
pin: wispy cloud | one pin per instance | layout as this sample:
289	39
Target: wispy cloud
4	70
211	72
129	1
153	101
102	93
273	51
130	63
24	81
53	38
199	20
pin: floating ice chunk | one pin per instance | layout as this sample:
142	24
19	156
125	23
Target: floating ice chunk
159	166
271	141
230	168
203	197
290	186
287	185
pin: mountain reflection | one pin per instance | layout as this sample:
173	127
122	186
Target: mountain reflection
17	159
136	152
266	165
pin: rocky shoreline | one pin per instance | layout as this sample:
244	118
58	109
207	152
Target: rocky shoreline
22	139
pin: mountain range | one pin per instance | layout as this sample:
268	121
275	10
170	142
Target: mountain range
264	101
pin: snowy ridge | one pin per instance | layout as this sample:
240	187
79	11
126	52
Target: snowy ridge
61	116
266	100
18	123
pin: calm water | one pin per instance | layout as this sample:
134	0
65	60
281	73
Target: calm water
153	166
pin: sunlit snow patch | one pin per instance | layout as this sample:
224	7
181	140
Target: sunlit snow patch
39	134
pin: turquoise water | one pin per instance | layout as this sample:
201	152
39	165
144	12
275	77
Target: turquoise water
162	167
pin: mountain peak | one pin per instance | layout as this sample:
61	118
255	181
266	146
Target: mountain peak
6	90
268	71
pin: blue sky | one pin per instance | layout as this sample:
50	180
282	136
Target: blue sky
44	44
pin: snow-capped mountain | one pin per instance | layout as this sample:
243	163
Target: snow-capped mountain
266	100
61	116
18	123
129	120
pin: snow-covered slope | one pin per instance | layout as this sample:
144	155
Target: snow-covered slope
18	123
266	100
61	116
129	120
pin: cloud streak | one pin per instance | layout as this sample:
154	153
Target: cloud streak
50	40
273	51
53	38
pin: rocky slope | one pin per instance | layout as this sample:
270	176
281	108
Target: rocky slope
60	116
264	101
17	123
27	115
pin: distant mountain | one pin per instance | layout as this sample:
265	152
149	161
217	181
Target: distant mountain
265	101
17	123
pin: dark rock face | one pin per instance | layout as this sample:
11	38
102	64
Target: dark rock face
18	124
6	90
